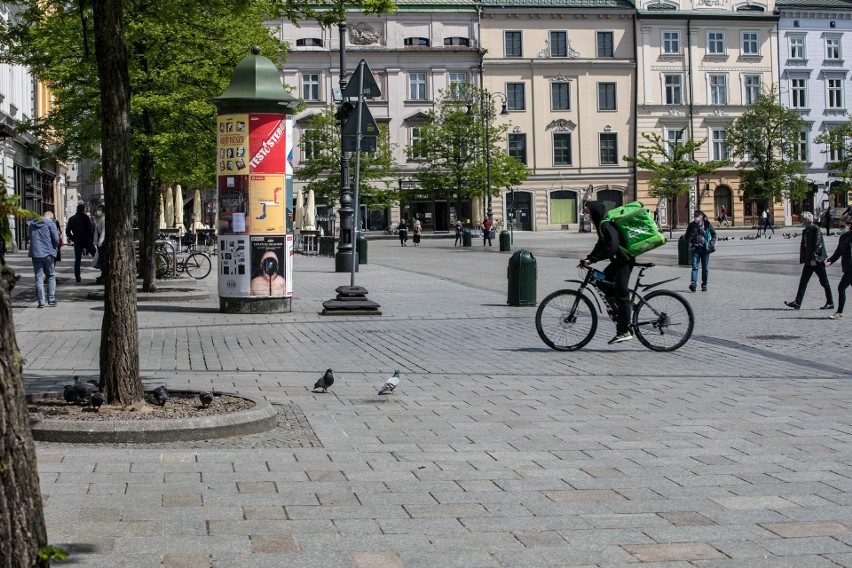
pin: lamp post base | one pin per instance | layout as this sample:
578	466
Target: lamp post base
343	262
351	301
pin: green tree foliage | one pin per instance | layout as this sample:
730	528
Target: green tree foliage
764	139
839	139
673	170
321	169
452	148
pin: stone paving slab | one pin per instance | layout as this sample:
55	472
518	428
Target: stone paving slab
734	451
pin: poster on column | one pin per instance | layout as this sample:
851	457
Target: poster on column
234	206
271	265
231	144
234	271
288	182
268	194
268	144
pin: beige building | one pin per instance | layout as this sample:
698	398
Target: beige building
699	64
565	70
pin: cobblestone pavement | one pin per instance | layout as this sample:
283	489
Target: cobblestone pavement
734	451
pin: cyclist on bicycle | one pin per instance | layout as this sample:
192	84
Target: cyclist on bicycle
617	283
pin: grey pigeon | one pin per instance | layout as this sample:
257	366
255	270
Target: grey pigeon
206	398
390	384
84	390
326	381
161	395
70	394
98	398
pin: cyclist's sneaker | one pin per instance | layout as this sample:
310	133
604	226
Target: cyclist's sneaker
836	316
621	337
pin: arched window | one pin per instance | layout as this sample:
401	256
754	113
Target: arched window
750	8
463	41
611	198
309	42
416	42
661	6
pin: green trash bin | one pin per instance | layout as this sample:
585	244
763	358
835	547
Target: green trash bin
505	242
523	273
361	249
683	256
466	242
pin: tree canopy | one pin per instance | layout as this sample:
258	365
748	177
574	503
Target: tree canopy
452	147
838	142
764	138
320	145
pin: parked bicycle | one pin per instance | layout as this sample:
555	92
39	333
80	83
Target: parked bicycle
566	320
197	264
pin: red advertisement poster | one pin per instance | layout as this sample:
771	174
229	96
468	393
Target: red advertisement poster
267	143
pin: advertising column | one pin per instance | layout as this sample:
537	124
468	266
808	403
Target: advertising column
255	241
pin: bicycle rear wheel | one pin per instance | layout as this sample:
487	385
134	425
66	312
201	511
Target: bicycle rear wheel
663	321
198	265
566	320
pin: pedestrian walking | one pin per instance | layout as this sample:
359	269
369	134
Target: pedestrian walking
59	248
100	241
828	221
657	218
812	256
843	252
767	222
701	237
44	241
486	232
723	216
79	230
403	234
458	241
417	231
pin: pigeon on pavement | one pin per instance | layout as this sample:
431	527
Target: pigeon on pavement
98	398
390	384
70	394
326	381
206	398
161	395
84	390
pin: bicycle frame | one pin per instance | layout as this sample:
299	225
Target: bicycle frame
599	296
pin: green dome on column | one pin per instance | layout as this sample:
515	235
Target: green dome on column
255	87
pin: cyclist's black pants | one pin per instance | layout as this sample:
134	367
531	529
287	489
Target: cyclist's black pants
618	272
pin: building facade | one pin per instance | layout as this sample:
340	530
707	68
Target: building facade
700	63
40	184
414	54
814	39
566	70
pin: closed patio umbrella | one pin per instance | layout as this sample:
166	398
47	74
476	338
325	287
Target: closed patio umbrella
299	214
169	208
311	212
178	207
162	224
196	210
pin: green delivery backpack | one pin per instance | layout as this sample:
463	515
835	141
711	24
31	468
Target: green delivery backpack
637	226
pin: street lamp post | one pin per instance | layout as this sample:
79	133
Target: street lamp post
344	259
486	101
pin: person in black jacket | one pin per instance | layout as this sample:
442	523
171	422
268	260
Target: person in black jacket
618	271
79	230
812	256
843	252
701	238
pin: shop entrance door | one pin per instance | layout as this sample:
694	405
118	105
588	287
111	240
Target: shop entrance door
441	216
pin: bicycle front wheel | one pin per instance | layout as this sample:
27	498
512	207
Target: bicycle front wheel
566	320
198	265
663	321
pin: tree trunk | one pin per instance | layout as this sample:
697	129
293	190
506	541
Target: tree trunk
119	354
146	205
22	528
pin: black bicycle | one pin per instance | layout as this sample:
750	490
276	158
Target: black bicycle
566	320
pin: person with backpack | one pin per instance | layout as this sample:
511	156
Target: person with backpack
844	253
80	231
812	256
701	238
610	246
